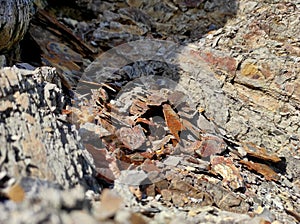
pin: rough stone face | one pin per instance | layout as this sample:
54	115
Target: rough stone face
14	20
244	77
262	87
36	139
255	61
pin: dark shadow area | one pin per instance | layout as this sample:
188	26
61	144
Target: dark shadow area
103	25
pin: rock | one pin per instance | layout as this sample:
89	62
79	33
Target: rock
110	204
172	161
229	172
240	76
47	207
36	143
14	21
133	178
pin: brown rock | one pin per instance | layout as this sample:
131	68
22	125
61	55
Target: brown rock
263	169
260	153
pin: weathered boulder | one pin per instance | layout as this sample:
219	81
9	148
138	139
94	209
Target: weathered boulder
14	21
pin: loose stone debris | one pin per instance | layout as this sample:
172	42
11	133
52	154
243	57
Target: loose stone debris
200	126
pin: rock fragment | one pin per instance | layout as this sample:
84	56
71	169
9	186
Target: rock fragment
263	169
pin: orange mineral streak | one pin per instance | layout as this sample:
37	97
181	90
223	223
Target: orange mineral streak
173	121
262	169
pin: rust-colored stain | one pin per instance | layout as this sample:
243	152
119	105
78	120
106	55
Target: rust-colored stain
262	169
173	121
260	153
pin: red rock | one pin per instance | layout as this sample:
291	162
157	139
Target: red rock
149	166
106	165
138	107
132	138
222	62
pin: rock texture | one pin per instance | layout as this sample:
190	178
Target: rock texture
238	62
14	20
36	140
260	73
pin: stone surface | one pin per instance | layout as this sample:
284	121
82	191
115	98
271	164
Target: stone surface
15	16
238	63
50	205
37	140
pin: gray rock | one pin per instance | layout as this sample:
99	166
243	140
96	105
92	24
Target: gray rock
49	206
172	161
35	143
14	21
133	178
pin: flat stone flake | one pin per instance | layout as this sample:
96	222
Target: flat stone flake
106	166
262	169
210	145
173	121
138	107
260	153
172	161
133	178
155	99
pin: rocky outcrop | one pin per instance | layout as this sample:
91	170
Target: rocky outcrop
36	141
14	21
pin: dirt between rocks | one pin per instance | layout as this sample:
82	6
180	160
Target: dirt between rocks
188	113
